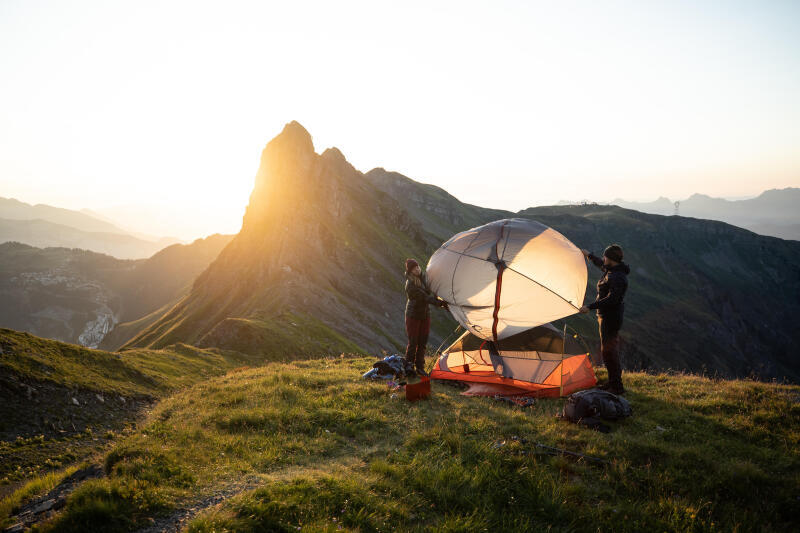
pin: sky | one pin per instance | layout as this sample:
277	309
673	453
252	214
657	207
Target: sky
155	113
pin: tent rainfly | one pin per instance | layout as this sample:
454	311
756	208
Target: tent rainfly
504	282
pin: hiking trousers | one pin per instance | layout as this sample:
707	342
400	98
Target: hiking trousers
417	330
609	347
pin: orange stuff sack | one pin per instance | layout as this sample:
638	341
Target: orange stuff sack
418	391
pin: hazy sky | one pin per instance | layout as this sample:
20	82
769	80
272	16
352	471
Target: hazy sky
167	105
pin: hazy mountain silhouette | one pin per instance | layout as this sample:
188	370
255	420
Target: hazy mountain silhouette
47	226
774	212
318	266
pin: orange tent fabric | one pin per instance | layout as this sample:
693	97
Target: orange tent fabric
536	362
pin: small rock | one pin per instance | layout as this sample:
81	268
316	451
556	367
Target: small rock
122	399
100	398
659	428
76	402
44	506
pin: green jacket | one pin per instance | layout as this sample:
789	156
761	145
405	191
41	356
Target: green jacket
418	298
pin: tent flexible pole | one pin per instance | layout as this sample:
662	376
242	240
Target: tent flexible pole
438	350
561	366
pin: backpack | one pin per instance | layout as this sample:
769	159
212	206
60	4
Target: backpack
587	407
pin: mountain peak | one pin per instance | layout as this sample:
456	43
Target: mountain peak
293	138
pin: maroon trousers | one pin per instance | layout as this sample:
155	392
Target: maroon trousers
417	330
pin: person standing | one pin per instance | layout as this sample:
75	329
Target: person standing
418	315
610	307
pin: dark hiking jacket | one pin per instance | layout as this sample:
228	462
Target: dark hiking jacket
418	298
610	301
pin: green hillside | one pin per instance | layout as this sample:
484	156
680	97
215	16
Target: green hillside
57	398
309	446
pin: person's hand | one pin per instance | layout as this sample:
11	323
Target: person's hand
583	309
585	252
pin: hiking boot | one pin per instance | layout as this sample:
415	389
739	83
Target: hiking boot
421	373
619	390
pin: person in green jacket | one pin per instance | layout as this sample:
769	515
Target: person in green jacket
418	315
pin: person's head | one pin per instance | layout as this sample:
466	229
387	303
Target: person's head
613	255
412	267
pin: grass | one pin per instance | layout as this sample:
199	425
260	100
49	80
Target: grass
309	445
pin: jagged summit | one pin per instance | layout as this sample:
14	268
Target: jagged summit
293	133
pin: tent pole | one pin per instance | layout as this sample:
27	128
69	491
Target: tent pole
563	344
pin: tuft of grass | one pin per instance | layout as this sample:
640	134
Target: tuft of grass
322	450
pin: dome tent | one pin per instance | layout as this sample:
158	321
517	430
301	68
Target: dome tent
504	282
538	361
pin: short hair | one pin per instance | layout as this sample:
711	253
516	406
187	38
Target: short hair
614	252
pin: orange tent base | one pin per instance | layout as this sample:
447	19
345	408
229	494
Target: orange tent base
572	374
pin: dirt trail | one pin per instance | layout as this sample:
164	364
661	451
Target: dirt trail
181	517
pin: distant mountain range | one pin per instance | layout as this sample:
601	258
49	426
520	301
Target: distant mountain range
317	267
80	296
774	212
47	226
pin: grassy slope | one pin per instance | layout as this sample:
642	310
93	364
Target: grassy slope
134	372
325	450
52	431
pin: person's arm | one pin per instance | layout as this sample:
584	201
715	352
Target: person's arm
616	290
596	261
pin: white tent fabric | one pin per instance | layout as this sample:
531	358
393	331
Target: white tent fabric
508	276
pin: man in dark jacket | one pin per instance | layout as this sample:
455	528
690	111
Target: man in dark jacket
610	306
418	316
